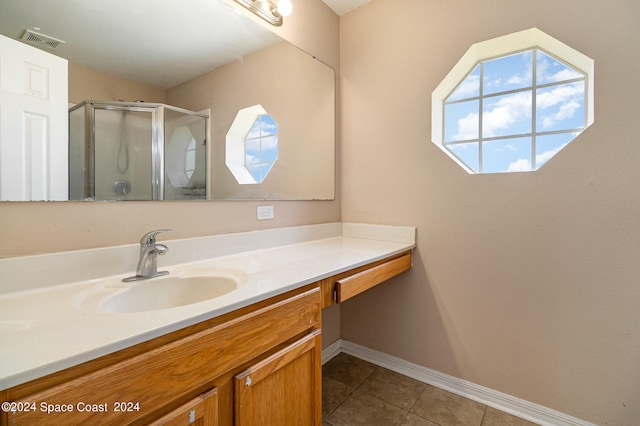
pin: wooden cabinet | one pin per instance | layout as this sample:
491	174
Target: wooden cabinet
188	374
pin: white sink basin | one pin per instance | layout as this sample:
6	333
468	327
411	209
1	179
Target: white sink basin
167	292
182	287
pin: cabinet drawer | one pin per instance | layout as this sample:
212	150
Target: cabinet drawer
352	285
154	379
201	411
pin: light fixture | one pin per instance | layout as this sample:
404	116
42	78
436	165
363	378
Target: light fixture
271	11
285	7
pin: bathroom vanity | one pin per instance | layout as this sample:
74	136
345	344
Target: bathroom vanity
250	356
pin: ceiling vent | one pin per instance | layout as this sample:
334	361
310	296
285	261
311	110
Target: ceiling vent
40	39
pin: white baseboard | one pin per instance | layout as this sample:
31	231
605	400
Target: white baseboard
331	351
509	404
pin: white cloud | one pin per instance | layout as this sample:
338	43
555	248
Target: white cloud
559	94
520	80
569	96
521	165
525	78
251	159
493	83
468	88
467	127
545	156
566	111
269	128
269	143
566	74
524	165
506	112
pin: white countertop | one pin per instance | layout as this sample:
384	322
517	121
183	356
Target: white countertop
48	328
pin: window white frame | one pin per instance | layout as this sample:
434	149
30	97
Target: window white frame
236	145
502	46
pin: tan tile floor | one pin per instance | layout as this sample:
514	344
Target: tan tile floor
356	392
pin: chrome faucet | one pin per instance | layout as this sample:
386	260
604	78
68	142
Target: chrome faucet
149	252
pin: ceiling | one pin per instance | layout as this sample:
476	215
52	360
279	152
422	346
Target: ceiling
343	6
156	42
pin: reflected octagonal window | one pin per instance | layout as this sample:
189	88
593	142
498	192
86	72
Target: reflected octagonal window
512	103
252	145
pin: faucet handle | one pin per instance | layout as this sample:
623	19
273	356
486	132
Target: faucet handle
149	239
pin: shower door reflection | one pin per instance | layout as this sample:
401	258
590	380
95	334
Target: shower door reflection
123	145
185	155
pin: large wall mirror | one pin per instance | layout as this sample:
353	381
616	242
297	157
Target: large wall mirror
271	106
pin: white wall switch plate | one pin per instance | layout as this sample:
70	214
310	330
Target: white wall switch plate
264	212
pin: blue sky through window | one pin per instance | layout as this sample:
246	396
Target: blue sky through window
469	88
507	73
522	116
468	153
261	147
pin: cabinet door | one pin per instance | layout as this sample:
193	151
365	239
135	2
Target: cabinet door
200	411
284	388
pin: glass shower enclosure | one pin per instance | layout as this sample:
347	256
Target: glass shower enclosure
136	151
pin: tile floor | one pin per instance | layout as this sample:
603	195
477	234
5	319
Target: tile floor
356	392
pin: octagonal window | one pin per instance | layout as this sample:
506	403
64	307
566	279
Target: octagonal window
252	145
512	103
180	161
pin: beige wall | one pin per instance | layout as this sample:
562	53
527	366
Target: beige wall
30	228
525	283
88	84
299	95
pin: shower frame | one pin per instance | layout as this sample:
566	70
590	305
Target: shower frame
157	111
